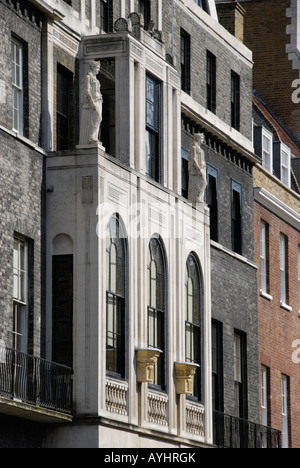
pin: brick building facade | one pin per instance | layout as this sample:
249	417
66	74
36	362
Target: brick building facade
22	219
276	56
277	234
230	160
51	190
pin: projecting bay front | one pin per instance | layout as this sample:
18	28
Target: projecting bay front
142	302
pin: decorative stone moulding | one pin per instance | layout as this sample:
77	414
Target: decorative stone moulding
137	19
146	359
123	25
184	372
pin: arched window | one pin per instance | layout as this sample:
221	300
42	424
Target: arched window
115	298
157	306
193	332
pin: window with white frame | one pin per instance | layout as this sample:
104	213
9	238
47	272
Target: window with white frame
282	162
267	159
285	166
265	407
17	85
264	396
240	375
263	145
157	307
283	270
263	258
285	410
194	301
20	295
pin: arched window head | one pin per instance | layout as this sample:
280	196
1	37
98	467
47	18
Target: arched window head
193	331
157	305
115	298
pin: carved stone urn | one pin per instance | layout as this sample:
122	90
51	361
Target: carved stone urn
146	358
184	372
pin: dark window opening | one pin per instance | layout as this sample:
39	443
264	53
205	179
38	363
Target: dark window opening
145	9
212	201
62	330
104	15
184	173
236	228
185	61
64	85
235	101
202	4
211	77
240	375
217	366
152	129
108	90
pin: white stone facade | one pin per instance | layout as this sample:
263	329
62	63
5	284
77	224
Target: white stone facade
82	182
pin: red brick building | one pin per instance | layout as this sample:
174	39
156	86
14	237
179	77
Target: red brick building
271	31
277	254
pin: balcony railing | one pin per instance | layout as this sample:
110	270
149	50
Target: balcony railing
35	381
232	432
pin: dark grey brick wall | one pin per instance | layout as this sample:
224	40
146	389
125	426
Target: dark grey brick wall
201	41
233	281
234	304
22	172
21	212
24	25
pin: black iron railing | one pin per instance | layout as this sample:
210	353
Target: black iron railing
232	432
35	381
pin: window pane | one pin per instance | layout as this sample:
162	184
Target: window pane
115	299
236	213
285	411
283	283
264	395
152	128
153	284
156	306
263	257
237	359
266	153
193	320
113	268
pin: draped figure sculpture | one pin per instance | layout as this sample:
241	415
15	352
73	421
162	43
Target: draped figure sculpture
197	170
91	106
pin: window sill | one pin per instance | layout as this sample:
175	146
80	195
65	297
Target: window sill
23	139
266	296
286	307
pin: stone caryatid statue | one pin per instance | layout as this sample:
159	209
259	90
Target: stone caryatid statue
91	106
197	170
